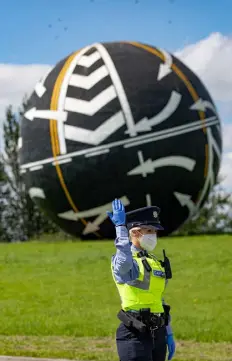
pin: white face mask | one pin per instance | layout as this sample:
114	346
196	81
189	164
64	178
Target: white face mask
148	241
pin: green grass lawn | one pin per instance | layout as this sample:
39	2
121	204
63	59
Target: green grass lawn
59	299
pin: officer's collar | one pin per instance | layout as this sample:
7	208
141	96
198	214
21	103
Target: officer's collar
135	249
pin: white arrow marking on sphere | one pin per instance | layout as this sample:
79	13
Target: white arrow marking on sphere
92	227
71	215
150	166
87	82
37	167
96	153
132	142
141	161
210	176
148	200
62	161
216	148
33	113
36	192
40	88
185	200
202	105
146	124
94	137
171	132
212	145
20	143
98	211
165	68
89	60
94	105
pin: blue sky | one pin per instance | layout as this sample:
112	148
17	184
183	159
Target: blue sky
27	38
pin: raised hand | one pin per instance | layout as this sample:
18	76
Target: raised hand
118	217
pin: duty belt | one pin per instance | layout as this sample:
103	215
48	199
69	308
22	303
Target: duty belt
143	320
153	319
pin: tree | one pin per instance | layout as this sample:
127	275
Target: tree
4	197
23	218
214	217
2	194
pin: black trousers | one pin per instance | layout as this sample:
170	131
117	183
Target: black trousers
135	346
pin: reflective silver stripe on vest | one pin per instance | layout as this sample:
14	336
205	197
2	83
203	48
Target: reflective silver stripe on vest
144	284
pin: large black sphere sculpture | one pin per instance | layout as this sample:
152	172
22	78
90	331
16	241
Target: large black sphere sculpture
125	120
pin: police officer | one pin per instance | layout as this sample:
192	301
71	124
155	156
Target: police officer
145	332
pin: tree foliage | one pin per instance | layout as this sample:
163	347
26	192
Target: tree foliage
21	218
214	217
3	190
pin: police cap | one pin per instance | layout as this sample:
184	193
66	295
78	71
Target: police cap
144	216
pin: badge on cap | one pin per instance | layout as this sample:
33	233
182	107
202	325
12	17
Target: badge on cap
155	214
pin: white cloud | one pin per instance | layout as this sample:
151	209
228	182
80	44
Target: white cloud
226	171
227	136
15	82
209	58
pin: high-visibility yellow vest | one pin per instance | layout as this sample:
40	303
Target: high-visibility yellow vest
146	291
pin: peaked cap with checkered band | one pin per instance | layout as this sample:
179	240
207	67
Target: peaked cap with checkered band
144	216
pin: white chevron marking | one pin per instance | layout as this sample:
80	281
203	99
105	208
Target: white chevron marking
88	60
94	105
87	82
94	137
62	96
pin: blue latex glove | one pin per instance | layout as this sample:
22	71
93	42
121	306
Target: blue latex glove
171	346
118	217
